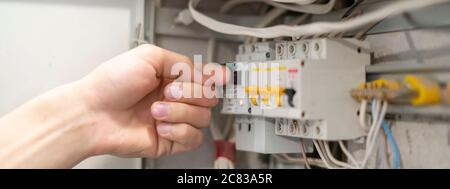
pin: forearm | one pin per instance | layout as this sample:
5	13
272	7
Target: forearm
51	131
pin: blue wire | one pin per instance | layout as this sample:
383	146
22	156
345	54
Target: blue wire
395	151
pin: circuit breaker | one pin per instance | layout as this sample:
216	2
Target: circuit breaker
257	134
302	85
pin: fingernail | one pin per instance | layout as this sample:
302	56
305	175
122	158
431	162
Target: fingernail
164	128
174	91
160	110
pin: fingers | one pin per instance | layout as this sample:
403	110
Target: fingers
191	93
175	112
172	65
162	60
185	135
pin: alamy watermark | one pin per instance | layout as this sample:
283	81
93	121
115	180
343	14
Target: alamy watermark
206	80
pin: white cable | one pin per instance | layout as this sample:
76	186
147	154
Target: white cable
376	131
375	117
308	9
380	122
286	158
303	8
362	115
321	155
303	152
223	163
398	7
268	18
325	154
348	154
334	160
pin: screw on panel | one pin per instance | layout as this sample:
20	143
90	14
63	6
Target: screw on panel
280	49
280	125
304	130
316	46
292	49
293	127
305	47
279	128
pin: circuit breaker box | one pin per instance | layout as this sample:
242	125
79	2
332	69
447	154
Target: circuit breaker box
303	85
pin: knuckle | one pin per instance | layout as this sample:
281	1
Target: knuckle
148	47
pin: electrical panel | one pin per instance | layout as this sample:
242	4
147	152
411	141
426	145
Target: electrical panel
303	86
257	134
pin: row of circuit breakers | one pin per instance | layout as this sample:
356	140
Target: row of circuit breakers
283	91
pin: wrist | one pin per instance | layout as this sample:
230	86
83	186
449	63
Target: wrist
51	131
80	118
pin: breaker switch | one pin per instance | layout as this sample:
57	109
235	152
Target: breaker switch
290	93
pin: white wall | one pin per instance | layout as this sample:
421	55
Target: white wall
45	43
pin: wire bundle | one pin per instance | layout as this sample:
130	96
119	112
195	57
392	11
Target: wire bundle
392	9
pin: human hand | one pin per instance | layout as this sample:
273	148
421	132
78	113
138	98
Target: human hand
133	100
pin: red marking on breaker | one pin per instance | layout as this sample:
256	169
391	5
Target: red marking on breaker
293	70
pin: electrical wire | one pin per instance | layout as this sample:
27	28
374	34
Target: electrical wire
228	130
334	160
287	159
362	115
370	142
223	163
327	158
321	155
306	8
381	156
215	131
395	151
361	35
303	151
352	8
379	123
348	154
217	135
391	9
267	19
376	105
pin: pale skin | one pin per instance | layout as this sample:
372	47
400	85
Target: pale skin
125	107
